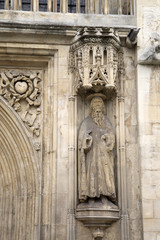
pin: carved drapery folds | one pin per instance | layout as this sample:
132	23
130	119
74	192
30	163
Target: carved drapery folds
22	90
94	59
95	158
96	180
96	65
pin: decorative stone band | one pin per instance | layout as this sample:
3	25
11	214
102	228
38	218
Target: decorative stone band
71	98
122	148
71	211
71	148
121	99
124	217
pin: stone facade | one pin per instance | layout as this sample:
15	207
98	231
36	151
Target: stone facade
148	74
50	68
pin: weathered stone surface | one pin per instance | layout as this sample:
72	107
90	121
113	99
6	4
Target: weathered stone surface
22	89
95	145
39	172
148	105
148	210
58	168
20	178
151	225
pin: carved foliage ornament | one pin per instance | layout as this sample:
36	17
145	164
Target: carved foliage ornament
22	90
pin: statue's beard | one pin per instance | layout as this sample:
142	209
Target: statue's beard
98	118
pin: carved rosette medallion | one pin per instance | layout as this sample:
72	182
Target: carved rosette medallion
95	58
22	90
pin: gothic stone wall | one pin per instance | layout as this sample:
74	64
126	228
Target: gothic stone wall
49	130
148	85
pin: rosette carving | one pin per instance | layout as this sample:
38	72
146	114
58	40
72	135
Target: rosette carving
22	90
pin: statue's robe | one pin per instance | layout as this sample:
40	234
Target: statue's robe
95	160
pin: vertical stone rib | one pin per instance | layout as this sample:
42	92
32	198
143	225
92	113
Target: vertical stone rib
53	81
64	6
122	156
105	7
47	164
87	6
91	7
15	4
35	5
71	186
55	6
49	168
78	9
50	5
19	4
72	116
124	203
131	5
119	6
97	5
6	5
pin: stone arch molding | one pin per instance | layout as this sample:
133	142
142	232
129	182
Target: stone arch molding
19	179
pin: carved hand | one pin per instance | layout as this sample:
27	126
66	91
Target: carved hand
87	142
108	140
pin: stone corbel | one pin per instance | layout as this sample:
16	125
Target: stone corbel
98	233
97	220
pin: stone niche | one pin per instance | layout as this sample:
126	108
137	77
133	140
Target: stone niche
96	66
95	58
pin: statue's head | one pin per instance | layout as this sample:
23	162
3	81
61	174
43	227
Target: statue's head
97	110
97	105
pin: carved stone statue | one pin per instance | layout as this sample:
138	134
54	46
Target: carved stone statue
95	155
151	53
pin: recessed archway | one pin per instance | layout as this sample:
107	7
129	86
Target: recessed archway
19	179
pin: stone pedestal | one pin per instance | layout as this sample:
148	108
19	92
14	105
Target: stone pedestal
97	219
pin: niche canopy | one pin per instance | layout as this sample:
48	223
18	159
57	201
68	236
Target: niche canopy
95	59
